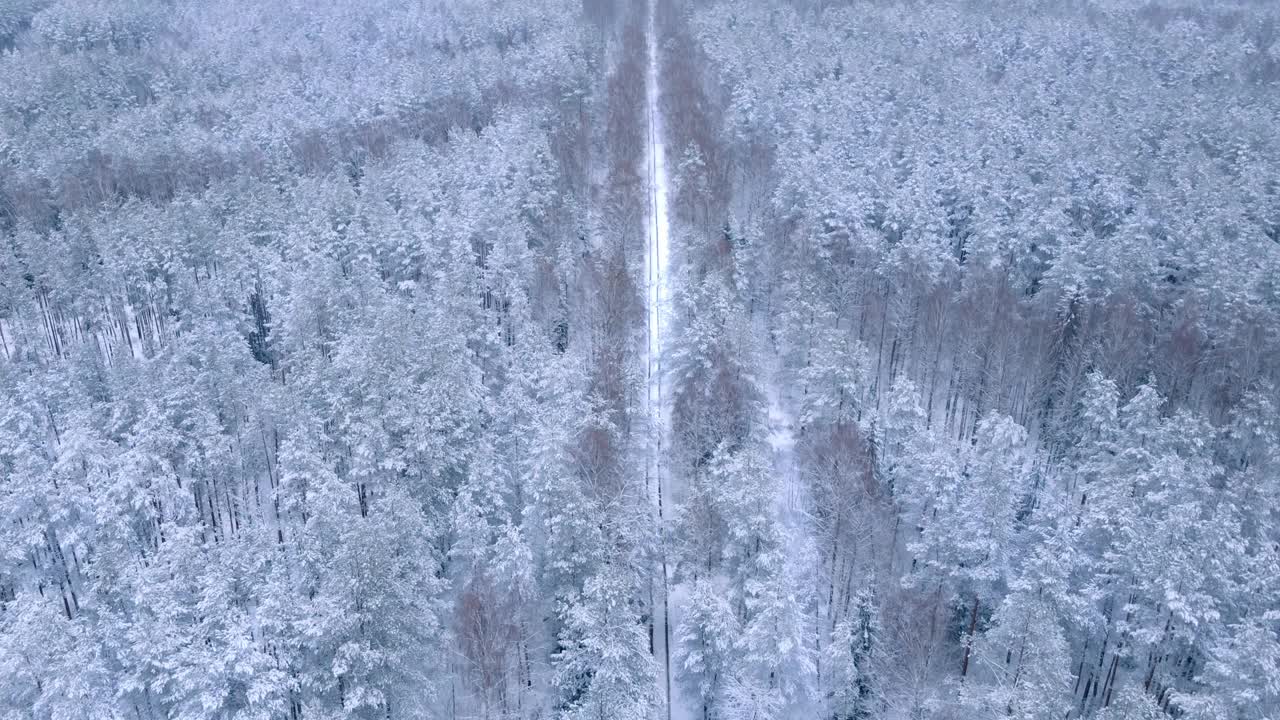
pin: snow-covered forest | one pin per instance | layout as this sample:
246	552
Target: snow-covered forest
639	359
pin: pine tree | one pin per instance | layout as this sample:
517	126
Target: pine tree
1024	662
705	644
836	388
371	620
853	662
604	669
970	540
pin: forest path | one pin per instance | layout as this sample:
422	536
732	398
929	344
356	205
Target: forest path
782	439
792	498
657	300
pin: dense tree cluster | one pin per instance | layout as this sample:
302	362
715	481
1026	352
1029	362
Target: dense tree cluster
319	328
1013	268
326	389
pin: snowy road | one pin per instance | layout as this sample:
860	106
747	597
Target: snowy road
657	255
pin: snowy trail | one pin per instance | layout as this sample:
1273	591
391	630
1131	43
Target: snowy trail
657	256
783	441
792	499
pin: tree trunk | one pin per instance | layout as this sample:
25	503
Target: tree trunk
968	646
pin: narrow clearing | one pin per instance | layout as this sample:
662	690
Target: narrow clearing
656	263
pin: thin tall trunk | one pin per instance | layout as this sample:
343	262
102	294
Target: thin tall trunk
968	645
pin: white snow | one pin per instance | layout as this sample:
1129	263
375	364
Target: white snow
657	256
792	500
783	441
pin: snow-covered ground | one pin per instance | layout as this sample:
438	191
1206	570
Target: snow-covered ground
657	255
782	439
792	499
